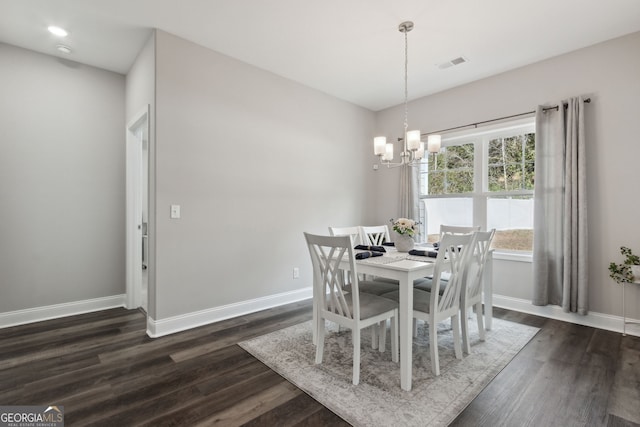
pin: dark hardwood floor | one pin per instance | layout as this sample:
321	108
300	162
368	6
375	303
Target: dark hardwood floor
105	371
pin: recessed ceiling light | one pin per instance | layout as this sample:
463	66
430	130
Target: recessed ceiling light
60	32
64	49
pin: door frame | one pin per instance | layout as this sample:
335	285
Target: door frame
134	193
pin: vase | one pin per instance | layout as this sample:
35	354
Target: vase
403	242
635	270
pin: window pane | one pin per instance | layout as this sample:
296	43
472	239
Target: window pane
449	211
459	156
448	172
512	217
511	163
460	181
432	183
507	177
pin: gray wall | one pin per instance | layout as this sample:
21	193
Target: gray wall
254	160
61	181
609	73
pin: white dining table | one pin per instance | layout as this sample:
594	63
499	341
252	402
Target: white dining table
405	269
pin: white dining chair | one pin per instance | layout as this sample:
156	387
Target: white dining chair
354	310
425	285
354	232
471	295
374	235
434	307
374	285
457	229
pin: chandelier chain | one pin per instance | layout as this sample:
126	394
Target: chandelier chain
406	84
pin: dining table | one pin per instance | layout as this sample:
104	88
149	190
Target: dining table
406	268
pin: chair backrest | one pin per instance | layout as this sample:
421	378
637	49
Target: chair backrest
477	261
453	257
326	254
354	232
457	229
374	235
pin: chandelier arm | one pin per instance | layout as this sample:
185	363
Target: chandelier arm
413	163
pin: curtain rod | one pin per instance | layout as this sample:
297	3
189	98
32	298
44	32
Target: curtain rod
557	107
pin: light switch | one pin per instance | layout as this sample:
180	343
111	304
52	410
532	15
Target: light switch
175	211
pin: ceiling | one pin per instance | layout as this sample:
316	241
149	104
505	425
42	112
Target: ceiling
350	49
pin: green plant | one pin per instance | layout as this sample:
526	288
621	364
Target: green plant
621	273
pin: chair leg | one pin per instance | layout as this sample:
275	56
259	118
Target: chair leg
314	334
320	341
465	330
382	336
355	335
433	348
394	339
457	345
480	318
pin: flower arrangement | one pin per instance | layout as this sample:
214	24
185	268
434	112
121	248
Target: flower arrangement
405	226
622	273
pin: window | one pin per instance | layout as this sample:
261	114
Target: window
483	178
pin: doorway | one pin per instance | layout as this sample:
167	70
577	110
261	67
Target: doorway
137	182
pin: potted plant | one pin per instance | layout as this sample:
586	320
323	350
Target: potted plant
405	230
629	270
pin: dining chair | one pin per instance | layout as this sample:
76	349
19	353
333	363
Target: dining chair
375	286
425	285
457	229
354	310
434	307
354	232
374	235
471	295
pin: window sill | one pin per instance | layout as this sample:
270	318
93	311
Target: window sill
513	256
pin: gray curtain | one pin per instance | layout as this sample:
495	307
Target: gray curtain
560	209
409	198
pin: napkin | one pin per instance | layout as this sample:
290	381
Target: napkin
368	254
429	253
388	244
371	248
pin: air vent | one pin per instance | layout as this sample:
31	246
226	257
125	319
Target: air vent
456	61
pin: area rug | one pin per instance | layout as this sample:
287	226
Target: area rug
378	399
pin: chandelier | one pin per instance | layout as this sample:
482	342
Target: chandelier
413	149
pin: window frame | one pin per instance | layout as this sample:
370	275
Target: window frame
480	137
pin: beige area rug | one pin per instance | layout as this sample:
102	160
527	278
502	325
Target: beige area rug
378	399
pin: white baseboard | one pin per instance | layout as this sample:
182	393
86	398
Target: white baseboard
37	314
158	328
191	320
593	319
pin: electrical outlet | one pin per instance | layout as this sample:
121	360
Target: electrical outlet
296	273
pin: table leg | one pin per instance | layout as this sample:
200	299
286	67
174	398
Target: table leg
487	283
406	332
